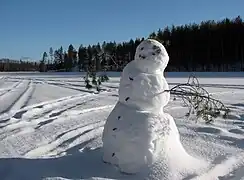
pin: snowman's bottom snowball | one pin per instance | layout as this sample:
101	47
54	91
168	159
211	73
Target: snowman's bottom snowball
133	139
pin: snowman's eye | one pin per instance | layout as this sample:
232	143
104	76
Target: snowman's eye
153	54
154	47
158	51
142	48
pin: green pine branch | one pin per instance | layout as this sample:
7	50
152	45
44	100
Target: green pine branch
199	101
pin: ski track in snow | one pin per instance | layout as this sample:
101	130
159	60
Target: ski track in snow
60	138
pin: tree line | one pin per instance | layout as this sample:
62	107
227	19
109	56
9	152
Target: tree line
207	46
11	65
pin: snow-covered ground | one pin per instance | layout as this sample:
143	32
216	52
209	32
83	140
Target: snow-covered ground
51	126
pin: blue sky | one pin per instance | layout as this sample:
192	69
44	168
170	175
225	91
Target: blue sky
30	27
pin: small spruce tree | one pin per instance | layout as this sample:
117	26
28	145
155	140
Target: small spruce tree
93	79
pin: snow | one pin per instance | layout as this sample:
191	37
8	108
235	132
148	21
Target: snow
53	130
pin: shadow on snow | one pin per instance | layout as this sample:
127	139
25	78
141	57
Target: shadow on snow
74	165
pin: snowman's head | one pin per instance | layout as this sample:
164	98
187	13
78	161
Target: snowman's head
151	56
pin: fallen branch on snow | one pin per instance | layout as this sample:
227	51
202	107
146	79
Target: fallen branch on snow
199	101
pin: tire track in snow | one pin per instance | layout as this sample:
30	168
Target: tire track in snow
57	107
13	96
12	88
36	108
74	87
47	107
82	95
25	127
24	96
77	141
17	105
35	116
59	124
22	126
28	139
74	129
64	140
2	80
40	105
63	85
30	94
53	115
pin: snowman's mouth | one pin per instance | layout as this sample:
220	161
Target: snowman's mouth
142	56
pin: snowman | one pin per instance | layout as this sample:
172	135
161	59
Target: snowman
138	132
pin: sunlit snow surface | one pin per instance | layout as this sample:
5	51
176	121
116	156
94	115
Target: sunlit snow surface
51	127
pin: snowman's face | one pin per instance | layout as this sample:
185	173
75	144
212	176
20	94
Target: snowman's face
151	55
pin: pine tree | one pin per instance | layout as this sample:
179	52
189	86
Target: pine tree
70	61
43	62
59	58
51	54
66	62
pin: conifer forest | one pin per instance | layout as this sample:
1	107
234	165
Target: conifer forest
208	46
